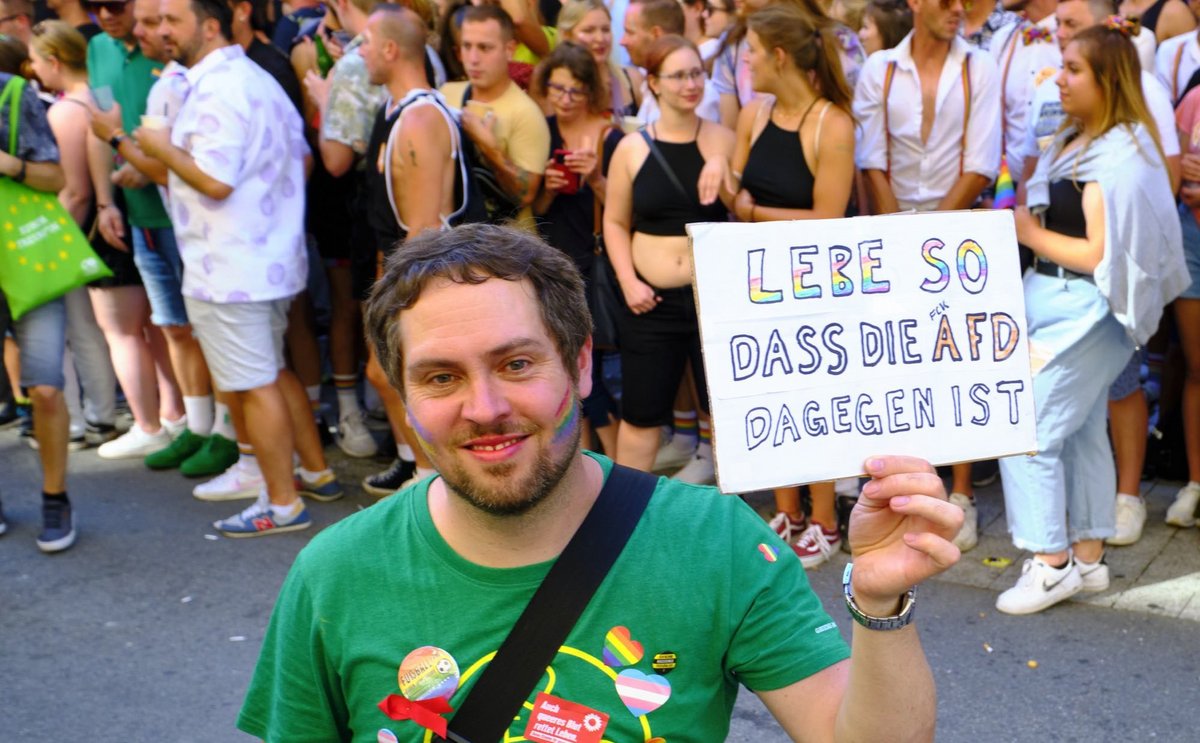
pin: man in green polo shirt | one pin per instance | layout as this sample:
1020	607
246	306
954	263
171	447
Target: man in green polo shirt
128	59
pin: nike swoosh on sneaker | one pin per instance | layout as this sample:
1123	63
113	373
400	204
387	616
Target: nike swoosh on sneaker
1051	586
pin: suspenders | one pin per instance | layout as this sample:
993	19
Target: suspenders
887	128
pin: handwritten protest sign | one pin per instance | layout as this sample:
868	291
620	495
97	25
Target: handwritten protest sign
826	341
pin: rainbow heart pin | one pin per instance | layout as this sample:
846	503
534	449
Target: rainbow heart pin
620	649
642	693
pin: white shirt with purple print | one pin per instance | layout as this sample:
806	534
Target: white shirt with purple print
241	129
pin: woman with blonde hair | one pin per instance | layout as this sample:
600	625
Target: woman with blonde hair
59	57
589	24
1102	225
795	156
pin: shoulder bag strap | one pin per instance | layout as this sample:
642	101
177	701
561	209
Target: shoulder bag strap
887	127
597	207
556	606
966	82
12	93
662	161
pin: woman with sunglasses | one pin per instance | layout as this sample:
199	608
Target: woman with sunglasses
1108	257
582	142
655	186
59	57
589	24
795	153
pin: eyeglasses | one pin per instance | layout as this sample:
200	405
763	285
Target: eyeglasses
114	7
565	92
679	77
710	10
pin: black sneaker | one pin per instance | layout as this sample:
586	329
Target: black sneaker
984	472
390	480
58	525
96	434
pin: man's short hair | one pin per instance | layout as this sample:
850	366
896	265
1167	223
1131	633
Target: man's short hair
218	9
666	14
483	13
402	26
472	254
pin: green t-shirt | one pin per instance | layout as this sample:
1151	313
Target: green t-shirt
695	580
130	75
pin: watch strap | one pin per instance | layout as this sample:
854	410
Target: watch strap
897	621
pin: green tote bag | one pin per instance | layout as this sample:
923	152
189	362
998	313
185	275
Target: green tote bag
43	253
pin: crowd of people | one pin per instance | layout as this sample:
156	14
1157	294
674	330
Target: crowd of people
246	170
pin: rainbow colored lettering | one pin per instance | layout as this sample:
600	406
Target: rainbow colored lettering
754	268
801	268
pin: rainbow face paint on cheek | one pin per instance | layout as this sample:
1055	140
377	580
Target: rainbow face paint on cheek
567	418
423	437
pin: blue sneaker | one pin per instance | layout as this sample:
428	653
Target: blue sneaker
260	519
58	525
325	488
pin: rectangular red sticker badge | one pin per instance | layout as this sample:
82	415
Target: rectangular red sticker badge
555	720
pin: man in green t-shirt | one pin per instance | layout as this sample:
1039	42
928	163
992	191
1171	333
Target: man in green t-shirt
388	618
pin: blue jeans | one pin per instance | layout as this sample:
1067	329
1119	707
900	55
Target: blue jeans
1066	492
157	257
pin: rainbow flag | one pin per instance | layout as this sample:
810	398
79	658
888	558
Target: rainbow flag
1006	193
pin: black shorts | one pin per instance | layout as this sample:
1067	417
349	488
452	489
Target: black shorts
328	215
655	349
120	262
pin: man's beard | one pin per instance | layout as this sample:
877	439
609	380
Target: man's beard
516	497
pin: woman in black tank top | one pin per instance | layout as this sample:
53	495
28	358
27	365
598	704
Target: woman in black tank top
662	178
795	154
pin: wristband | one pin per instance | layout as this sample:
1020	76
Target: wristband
20	176
116	139
897	621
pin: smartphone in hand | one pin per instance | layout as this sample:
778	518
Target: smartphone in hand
560	164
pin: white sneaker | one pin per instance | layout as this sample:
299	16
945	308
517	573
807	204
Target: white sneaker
700	470
675	453
238	482
968	533
1094	575
354	438
1131	517
1183	511
1040	587
135	444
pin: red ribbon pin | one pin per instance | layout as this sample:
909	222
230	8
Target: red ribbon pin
426	713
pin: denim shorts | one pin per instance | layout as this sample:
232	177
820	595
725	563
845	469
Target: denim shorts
1129	380
41	334
157	257
1191	250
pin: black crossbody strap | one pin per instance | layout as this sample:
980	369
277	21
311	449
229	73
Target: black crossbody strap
662	161
534	640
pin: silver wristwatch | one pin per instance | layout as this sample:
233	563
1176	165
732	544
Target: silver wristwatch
881	623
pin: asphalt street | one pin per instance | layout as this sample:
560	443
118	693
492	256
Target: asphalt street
149	628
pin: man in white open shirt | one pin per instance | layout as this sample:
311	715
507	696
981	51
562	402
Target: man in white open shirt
237	161
929	111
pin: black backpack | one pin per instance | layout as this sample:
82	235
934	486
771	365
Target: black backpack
498	205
